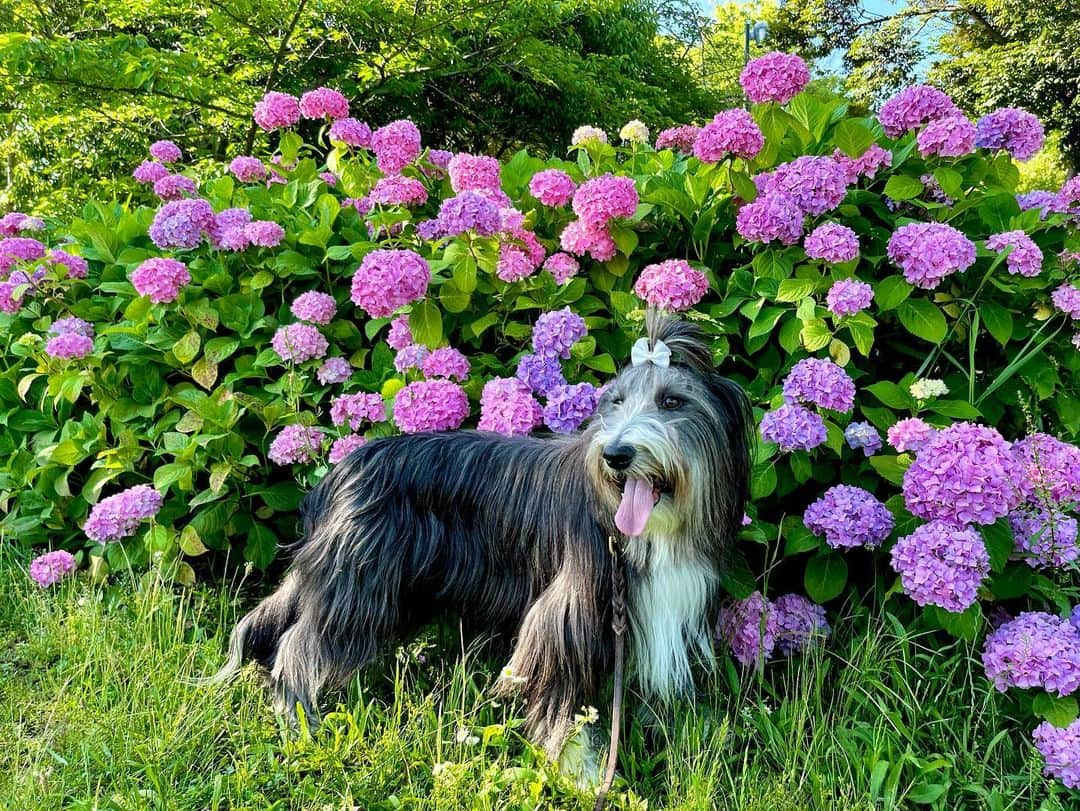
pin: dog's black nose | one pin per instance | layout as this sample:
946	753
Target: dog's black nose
618	457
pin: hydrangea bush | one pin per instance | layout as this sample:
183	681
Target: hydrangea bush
180	368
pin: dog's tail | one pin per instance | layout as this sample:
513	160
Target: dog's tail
256	635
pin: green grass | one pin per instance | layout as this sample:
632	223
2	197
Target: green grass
95	714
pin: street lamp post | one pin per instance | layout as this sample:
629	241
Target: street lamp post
756	32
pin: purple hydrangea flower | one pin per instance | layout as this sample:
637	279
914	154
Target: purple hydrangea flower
820	382
749	627
771	217
1045	538
849	296
52	567
863	435
799	623
356	409
816	183
731	132
296	445
446	362
507	407
1061	749
1025	258
941	564
1040	199
149	172
1067	299
927	252
1016	131
430	405
72	324
75	266
848	517
909	435
602	199
296	343
247	169
1034	650
119	516
350	132
913	107
399	336
557	331
315	307
541	373
165	152
793	427
69	345
948	137
396	146
410	356
775	77
277	110
343	446
965	474
160	278
1051	467
832	242
182	223
174	187
569	406
334	370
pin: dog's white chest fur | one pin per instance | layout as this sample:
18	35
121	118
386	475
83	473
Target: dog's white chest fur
667	617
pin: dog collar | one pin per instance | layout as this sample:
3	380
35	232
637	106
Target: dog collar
658	355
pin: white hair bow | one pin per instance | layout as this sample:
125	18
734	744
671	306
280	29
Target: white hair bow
659	355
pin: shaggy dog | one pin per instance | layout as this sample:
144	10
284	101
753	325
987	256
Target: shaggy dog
512	534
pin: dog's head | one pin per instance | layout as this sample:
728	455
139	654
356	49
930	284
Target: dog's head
668	448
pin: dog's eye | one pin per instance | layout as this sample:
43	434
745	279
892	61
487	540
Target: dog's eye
670	402
616	399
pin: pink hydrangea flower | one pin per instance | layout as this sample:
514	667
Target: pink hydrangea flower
473	172
396	145
398	190
76	266
579	238
909	434
832	243
508	407
356	409
913	107
388	279
351	132
174	187
948	137
119	516
731	132
165	152
430	405
313	306
775	77
849	296
562	267
1025	258
334	370
343	446
15	222
400	336
52	567
446	362
866	165
247	169
149	172
514	264
296	445
680	139
324	102
552	187
264	234
927	252
671	285
602	199
1067	299
160	278
297	343
69	345
1016	131
277	110
771	217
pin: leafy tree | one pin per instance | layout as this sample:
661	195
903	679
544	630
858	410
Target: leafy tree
83	85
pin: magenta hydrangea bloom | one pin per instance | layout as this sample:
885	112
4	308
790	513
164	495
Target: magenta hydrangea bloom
473	172
165	152
69	345
313	306
508	407
296	445
602	199
1025	258
160	278
446	362
296	343
514	263
816	183
334	370
343	446
913	107
863	436
1034	650
277	110
820	382
775	77
909	435
52	567
552	187
569	406
541	373
927	252
247	169
556	331
941	564
952	136
578	238
324	102
356	409
174	187
469	211
430	405
1045	538
680	139
1051	467
848	517
1067	299
19	249
800	623
72	324
1016	131
119	516
849	296
396	145
14	222
867	164
264	233
793	427
182	223
399	336
388	279
351	132
749	628
227	231
1060	747
832	242
562	267
771	217
731	132
76	266
398	190
964	474
671	285
149	172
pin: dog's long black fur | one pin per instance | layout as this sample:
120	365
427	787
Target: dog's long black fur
509	533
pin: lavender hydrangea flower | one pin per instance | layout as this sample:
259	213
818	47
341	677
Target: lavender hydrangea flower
149	172
314	307
1016	131
964	474
909	435
334	370
569	406
1034	650
343	446
446	362
848	517
182	223
399	336
507	407
174	187
820	382
296	445
1061	749
1045	538
947	137
351	132
1025	258
863	435
927	252
52	567
165	152
72	324
941	564
562	267
541	373
799	623
749	628
793	427
816	183
557	331
69	345
913	107
770	217
410	357
1067	299
849	296
356	409
832	242
296	343
119	516
1051	467
1074	618
1039	198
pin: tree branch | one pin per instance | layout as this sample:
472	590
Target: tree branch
275	68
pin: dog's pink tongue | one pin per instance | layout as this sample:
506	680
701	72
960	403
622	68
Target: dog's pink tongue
635	508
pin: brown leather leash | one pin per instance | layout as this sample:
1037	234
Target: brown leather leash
618	625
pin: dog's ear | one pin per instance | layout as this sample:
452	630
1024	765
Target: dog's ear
685	340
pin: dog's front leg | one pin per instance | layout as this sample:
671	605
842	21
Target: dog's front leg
562	656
